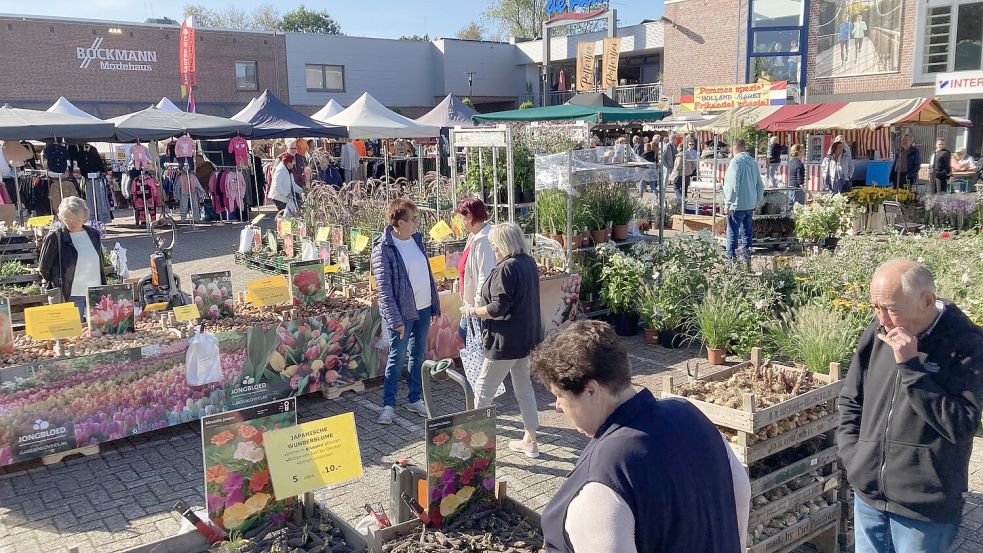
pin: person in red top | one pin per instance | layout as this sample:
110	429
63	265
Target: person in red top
478	259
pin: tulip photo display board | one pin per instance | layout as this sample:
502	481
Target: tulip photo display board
238	487
460	462
213	294
110	309
307	283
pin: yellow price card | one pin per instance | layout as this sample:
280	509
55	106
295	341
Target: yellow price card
323	234
40	221
440	231
186	313
312	455
271	290
331	268
51	322
438	264
359	243
258	218
286	227
450	272
156	306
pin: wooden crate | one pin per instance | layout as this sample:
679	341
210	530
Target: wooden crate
748	454
774	508
820	528
784	474
748	419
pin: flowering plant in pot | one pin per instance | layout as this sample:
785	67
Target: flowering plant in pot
826	220
622	276
715	321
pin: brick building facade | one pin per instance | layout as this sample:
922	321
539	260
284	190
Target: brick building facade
705	43
133	65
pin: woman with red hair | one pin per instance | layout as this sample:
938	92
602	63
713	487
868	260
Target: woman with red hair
478	259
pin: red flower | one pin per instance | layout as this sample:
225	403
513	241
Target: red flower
481	463
259	480
441	439
466	476
222	438
946	235
248	432
308	282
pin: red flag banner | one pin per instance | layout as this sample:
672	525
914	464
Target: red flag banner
186	56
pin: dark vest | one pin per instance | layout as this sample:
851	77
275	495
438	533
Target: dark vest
667	461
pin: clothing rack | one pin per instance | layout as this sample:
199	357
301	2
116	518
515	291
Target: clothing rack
237	169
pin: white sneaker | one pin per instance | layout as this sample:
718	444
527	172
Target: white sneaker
386	417
419	407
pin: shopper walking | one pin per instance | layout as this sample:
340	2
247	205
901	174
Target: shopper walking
71	257
743	191
836	171
941	168
907	162
283	189
858	31
668	158
656	476
511	326
909	409
797	173
478	259
774	160
408	303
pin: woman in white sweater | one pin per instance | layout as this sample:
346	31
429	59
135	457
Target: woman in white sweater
283	188
478	259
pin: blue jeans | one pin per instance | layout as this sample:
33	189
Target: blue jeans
738	224
880	532
416	338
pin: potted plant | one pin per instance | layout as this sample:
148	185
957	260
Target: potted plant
622	209
824	221
648	310
815	335
622	276
715	320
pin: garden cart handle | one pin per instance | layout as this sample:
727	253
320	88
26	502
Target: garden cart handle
442	370
165	222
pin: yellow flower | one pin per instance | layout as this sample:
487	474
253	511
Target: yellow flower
235	515
449	504
465	493
479	439
258	501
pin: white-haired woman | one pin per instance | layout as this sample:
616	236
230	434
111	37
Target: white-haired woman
71	257
510	328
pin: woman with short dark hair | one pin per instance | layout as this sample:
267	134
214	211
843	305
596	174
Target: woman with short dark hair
408	302
478	259
657	476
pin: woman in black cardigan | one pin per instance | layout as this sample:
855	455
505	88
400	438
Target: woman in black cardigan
797	173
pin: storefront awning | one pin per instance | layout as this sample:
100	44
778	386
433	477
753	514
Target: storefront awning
736	116
875	114
791	118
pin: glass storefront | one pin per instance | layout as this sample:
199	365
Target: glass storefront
777	29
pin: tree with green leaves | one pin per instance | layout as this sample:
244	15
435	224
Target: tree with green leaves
303	20
264	18
471	31
424	38
518	18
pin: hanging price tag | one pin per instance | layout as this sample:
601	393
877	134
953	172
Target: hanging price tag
437	265
440	231
40	221
266	291
359	243
186	313
50	322
323	234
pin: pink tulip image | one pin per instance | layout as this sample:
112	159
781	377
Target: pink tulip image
444	339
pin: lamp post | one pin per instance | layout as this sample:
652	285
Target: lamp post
470	75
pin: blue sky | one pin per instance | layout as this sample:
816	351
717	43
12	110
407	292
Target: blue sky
375	18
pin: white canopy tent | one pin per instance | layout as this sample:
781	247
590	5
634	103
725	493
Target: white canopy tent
368	118
62	105
166	105
329	110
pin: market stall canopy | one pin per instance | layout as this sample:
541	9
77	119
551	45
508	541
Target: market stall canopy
368	118
63	106
568	112
594	99
330	109
792	117
272	118
154	123
450	112
30	124
876	114
167	105
680	123
749	115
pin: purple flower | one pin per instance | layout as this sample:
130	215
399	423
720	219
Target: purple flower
215	502
435	495
448	477
489	483
232	484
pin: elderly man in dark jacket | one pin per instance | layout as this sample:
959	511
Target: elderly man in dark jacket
908	411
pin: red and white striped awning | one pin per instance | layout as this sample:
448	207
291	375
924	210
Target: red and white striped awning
874	114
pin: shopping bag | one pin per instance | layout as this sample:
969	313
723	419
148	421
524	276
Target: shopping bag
247	237
202	360
307	250
118	258
473	355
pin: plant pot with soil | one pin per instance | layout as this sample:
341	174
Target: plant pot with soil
715	320
622	276
651	336
619	232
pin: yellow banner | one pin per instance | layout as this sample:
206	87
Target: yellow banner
51	322
331	268
585	66
312	455
186	313
271	290
40	220
438	264
609	69
359	243
440	231
724	97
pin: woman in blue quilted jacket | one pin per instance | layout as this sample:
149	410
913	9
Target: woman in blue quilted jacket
408	302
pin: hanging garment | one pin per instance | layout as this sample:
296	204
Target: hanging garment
259	185
140	156
240	149
349	157
204	171
59	190
300	163
185	147
146	197
57	156
189	188
97	199
234	188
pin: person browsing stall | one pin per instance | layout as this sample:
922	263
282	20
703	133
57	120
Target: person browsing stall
408	303
71	257
743	191
656	476
909	409
907	162
284	190
836	172
511	326
797	173
478	259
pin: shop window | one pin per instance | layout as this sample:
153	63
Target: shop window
936	56
325	78
246	76
786	40
969	37
776	68
776	13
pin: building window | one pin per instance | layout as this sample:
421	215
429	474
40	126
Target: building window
776	41
776	68
325	78
936	57
246	78
776	13
969	37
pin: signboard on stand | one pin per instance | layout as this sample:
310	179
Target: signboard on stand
313	455
460	462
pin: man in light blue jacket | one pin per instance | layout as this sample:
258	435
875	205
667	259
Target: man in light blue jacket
743	191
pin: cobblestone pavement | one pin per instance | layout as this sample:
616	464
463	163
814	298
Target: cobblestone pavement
121	497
